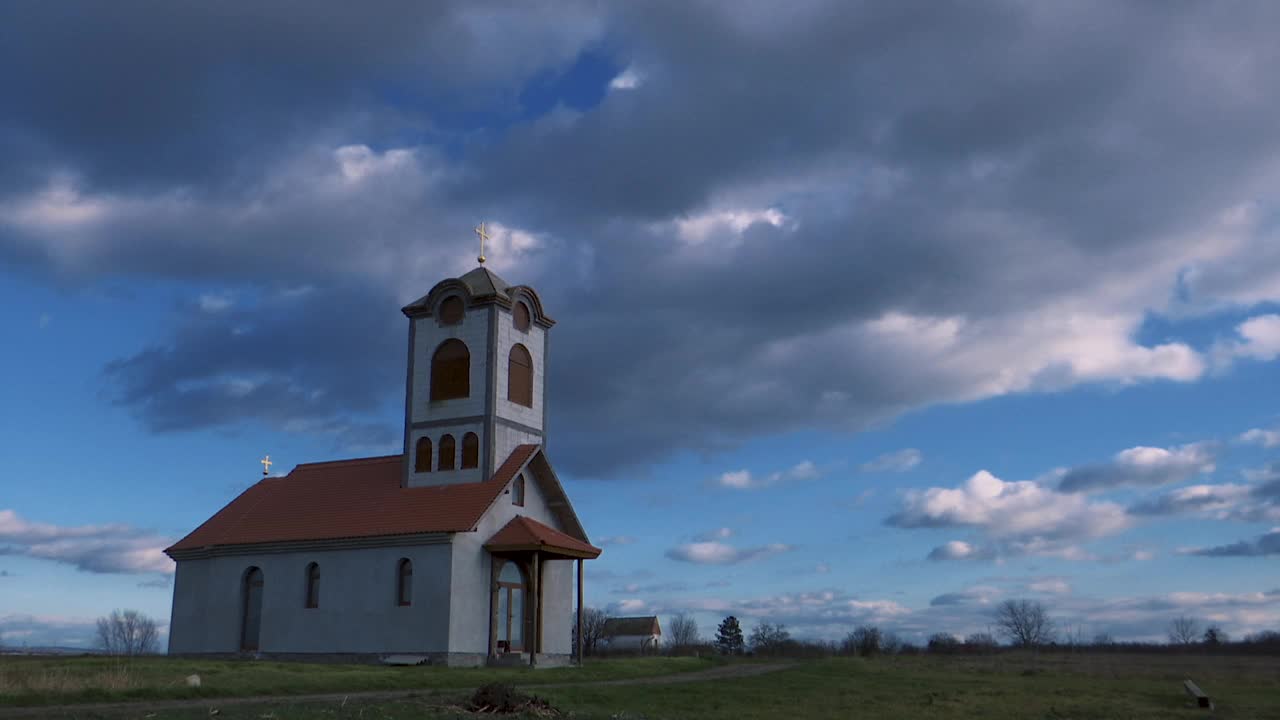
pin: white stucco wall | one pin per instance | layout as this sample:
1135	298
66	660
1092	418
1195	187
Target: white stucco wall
534	341
357	613
469	620
428	334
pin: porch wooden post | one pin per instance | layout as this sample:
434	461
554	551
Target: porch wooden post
537	609
579	633
494	563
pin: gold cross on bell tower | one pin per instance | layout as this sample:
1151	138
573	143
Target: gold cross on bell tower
483	236
266	465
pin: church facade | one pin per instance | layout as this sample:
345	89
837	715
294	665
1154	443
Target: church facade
464	549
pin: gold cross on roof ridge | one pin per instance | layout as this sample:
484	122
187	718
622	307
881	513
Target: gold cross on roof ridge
266	465
484	235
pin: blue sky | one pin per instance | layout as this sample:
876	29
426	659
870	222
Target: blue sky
865	315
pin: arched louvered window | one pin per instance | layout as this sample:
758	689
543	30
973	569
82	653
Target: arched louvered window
520	376
470	451
422	455
451	310
313	585
448	449
520	317
450	371
404	582
517	491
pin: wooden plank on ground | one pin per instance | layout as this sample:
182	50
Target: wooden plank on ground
1194	691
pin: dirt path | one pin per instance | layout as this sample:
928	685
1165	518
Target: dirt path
724	672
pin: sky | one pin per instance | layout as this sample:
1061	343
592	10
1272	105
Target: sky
868	313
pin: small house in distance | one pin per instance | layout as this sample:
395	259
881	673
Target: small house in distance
632	634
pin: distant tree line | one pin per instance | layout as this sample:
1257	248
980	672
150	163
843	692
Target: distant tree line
1016	624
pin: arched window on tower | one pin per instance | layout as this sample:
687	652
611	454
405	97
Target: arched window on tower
520	317
448	449
313	585
470	451
451	310
404	582
422	455
450	371
520	376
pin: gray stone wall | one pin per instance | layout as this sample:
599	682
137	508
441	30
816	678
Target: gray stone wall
357	612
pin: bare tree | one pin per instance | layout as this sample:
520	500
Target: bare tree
866	640
593	620
767	638
1215	636
1184	631
1024	622
683	631
128	632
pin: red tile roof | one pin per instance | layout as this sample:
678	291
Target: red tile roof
350	499
524	533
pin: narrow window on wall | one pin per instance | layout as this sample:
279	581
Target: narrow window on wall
517	491
520	376
313	585
422	456
451	310
520	317
470	451
404	582
447	451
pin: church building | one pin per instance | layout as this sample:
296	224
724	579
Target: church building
463	550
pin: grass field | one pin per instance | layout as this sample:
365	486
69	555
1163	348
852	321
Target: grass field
50	680
1052	687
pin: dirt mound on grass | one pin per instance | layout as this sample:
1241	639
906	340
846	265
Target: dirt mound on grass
505	699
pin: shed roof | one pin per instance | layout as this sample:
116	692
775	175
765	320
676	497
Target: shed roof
647	625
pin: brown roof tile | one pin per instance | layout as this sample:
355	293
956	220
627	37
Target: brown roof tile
525	532
350	499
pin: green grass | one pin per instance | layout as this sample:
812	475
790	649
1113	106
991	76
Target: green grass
47	681
1048	687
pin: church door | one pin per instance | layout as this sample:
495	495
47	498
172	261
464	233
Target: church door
511	610
251	624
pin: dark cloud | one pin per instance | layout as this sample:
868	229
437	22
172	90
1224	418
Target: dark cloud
966	203
1140	466
1266	544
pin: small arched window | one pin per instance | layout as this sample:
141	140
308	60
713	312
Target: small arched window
470	451
422	455
313	585
520	376
520	317
404	582
448	449
517	491
450	371
451	310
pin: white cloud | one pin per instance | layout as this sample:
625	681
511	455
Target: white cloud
628	79
744	479
728	224
212	303
1258	436
1015	518
718	553
93	548
615	540
1258	338
44	320
723	533
900	461
1141	466
1050	586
